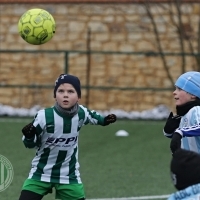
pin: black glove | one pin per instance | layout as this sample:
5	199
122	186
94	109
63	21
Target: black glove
175	142
29	131
172	123
109	119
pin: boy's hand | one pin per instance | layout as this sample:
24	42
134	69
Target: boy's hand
175	142
111	118
29	131
172	123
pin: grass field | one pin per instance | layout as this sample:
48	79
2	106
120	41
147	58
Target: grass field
111	167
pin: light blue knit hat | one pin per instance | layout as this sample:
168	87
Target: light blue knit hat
190	82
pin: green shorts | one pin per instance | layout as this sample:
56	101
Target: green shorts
63	191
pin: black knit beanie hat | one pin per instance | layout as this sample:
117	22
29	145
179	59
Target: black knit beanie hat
185	168
66	78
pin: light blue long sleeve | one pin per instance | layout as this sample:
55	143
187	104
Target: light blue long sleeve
190	126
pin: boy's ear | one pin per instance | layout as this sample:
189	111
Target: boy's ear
193	97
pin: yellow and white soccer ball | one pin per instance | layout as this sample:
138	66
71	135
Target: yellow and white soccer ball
36	26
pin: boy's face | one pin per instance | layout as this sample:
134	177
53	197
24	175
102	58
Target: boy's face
66	95
181	97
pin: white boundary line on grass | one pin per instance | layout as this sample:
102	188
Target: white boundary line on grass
136	198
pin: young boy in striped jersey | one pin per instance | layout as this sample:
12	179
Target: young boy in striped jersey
184	128
54	132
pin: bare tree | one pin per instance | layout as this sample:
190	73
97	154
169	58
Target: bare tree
185	34
155	29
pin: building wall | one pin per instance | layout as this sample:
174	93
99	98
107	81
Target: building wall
113	27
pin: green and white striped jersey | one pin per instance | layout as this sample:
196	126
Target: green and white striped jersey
56	158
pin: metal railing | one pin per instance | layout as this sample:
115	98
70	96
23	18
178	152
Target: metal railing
88	53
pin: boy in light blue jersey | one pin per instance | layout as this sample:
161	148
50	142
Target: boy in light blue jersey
185	174
184	128
54	133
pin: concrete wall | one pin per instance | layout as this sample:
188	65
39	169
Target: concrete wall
114	27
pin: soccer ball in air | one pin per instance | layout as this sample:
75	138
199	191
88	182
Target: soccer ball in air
36	26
